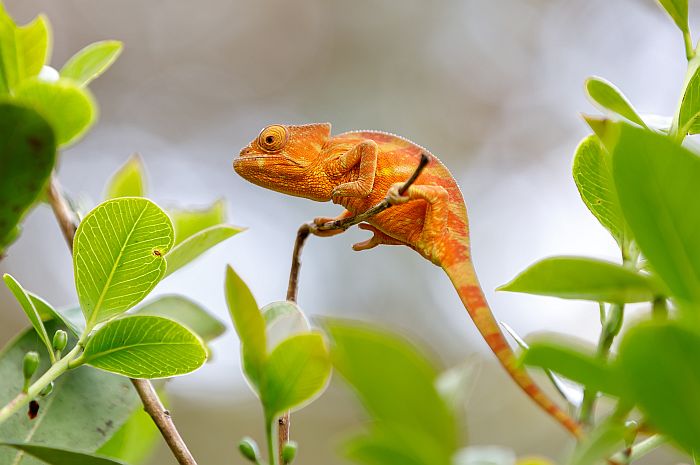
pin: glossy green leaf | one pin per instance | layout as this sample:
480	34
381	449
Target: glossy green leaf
86	408
586	279
118	256
282	320
574	364
657	183
687	118
296	371
128	181
72	319
380	366
145	347
185	312
91	62
600	444
197	244
661	366
23	49
249	324
188	222
609	98
27	157
678	11
30	310
136	441
70	110
59	456
592	173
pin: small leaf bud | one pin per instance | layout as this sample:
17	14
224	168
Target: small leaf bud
29	366
48	389
249	449
60	340
289	452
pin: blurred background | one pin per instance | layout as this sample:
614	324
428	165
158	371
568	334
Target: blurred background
493	88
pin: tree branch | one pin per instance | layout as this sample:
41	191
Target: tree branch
303	233
151	402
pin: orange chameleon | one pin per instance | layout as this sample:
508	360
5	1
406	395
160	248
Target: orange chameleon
359	169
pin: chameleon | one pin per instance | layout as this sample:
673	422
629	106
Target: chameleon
357	170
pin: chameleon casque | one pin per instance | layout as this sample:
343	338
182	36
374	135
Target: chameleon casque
358	170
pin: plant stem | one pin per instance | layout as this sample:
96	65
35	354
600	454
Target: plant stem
642	448
149	398
273	457
688	41
23	398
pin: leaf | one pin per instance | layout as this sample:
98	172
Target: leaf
185	312
686	119
456	384
660	364
23	50
657	183
189	222
296	371
72	319
592	173
586	279
86	408
602	442
128	181
144	347
118	256
70	110
58	456
678	11
30	310
27	157
609	98
196	245
380	366
379	449
574	364
91	61
282	320
250	326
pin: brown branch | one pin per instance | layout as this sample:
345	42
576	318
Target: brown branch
151	402
303	233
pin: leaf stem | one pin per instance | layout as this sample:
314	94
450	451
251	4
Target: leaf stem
272	456
56	370
688	41
151	402
643	448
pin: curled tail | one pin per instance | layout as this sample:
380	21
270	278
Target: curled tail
464	279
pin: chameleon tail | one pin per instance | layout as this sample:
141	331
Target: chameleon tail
464	279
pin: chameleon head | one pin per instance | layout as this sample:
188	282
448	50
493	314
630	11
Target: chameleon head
282	155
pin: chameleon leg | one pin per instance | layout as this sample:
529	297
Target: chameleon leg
324	219
379	238
364	154
436	215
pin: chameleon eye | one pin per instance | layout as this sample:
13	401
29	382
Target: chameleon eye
273	138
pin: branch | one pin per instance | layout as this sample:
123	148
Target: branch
302	234
151	402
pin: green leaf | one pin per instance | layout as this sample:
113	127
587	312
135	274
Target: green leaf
23	50
380	366
136	440
145	347
92	61
250	326
86	408
27	157
282	320
70	110
185	312
296	371
678	11
686	120
128	181
72	319
602	443
28	306
58	456
609	98
574	364
586	279
118	256
660	364
592	173
189	222
379	449
197	244
657	183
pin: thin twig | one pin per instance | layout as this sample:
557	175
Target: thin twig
151	402
303	233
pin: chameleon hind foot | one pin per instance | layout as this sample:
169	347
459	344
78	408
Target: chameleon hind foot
378	238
